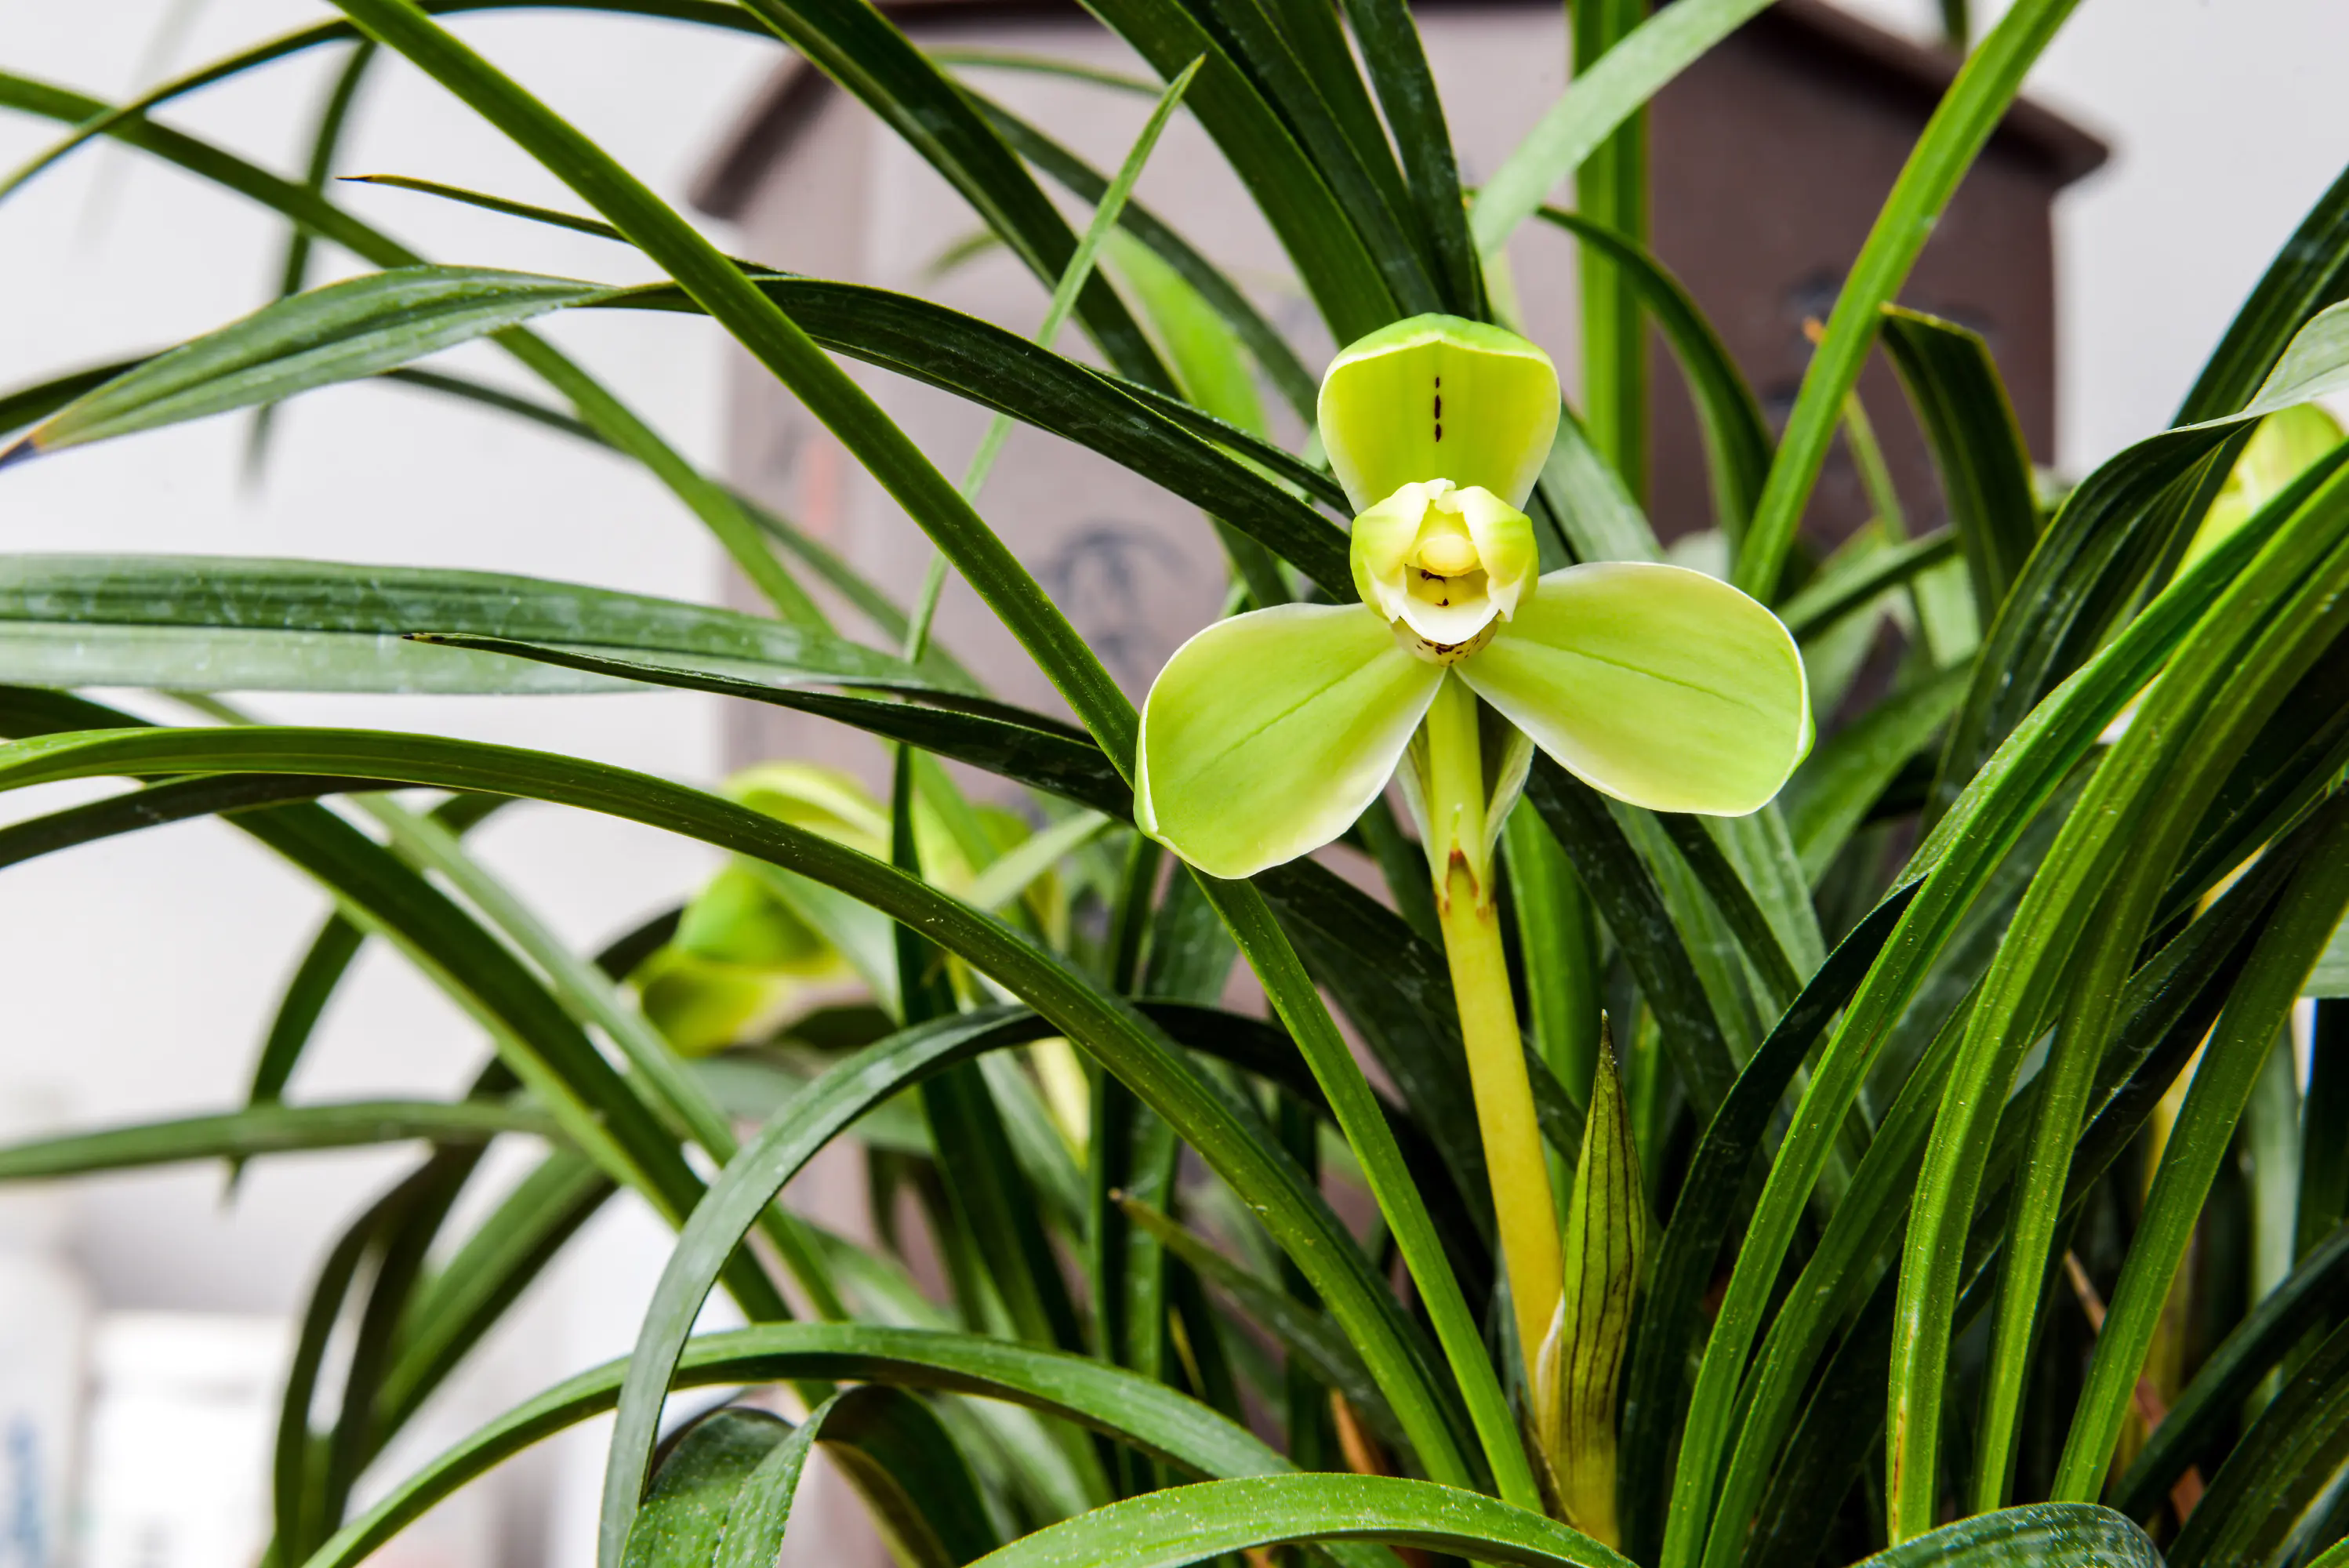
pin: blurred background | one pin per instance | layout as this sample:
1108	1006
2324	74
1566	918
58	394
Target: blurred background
137	976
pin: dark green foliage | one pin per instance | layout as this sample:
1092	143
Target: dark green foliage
1914	1248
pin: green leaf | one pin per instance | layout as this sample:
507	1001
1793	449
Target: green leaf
1656	685
756	321
307	1497
1303	1332
1345	279
1610	185
1186	1524
1557	931
2057	1535
1214	373
1130	1154
2269	1332
1396	989
1953	384
595	1107
1962	850
174	800
1863	579
2330	977
325	141
221	623
592	998
865	54
1260	939
1832	792
1208	357
2311	908
1044	753
993	1205
2068	952
1065	290
2311	270
2280	1469
1138	1410
1207	461
1597	516
1398	66
916	1486
1962	123
1623	890
612	421
471	1292
1730	889
1271	352
1268	734
323	963
2115	529
724	1492
610	418
2286	444
2106	535
1728	416
30	404
686	1512
1593	105
1701	1220
1577	1373
811	1120
270	1129
2172	1002
313	982
339	333
1301	64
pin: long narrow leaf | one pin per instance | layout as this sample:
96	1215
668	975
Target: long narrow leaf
1593	105
223	624
270	1129
1153	1418
1971	109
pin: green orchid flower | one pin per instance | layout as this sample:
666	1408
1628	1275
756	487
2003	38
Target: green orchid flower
1268	734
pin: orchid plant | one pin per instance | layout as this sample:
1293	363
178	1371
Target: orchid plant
1768	1117
1269	734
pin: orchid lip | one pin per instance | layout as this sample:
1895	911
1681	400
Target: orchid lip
1443	565
1434	653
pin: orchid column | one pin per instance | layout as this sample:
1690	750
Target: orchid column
1267	734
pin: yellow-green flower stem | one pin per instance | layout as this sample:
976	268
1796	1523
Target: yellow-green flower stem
1462	867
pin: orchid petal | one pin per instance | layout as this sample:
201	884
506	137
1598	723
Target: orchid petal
1268	734
1437	396
1504	544
1384	535
1458	616
1654	684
